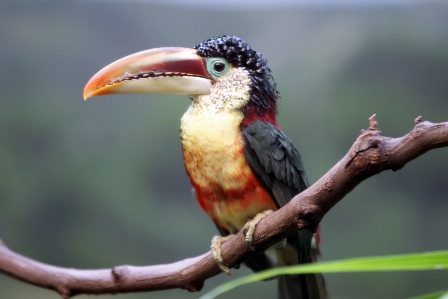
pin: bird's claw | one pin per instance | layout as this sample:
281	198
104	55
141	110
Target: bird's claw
249	227
248	247
215	247
248	231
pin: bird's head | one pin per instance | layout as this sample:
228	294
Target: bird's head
219	73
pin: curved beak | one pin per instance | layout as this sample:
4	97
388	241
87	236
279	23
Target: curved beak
161	70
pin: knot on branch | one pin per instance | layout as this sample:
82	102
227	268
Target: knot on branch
194	286
308	217
329	183
64	292
119	273
365	152
367	148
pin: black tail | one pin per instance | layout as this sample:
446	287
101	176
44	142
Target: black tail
309	286
306	286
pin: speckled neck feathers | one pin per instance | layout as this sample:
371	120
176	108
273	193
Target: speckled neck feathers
262	103
228	94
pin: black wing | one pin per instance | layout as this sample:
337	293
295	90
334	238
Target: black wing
279	167
275	161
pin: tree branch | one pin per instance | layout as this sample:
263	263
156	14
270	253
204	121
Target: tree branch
371	153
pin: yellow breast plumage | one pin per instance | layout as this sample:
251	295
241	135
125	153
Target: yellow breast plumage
225	185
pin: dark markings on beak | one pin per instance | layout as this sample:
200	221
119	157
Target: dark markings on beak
151	74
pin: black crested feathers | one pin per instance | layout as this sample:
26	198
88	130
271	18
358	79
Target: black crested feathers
236	51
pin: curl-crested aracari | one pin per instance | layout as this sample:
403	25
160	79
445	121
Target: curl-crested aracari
239	162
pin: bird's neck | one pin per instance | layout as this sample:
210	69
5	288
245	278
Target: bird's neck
208	107
253	113
211	117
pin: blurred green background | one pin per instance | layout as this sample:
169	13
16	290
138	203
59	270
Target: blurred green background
101	183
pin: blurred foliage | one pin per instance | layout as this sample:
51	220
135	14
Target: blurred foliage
101	183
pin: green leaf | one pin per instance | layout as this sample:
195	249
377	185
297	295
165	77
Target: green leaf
438	295
436	260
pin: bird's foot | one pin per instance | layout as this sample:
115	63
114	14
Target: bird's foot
217	241
249	227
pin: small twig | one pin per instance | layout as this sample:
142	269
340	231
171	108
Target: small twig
418	120
373	124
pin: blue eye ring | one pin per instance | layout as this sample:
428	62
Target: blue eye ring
217	66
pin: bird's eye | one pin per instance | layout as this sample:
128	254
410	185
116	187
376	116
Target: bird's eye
217	66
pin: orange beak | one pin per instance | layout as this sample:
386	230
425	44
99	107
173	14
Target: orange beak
161	70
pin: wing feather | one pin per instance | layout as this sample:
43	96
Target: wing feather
280	161
279	167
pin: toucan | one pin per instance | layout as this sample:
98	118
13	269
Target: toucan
241	165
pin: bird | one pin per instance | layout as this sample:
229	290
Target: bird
241	165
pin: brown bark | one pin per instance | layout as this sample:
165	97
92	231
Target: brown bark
371	153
